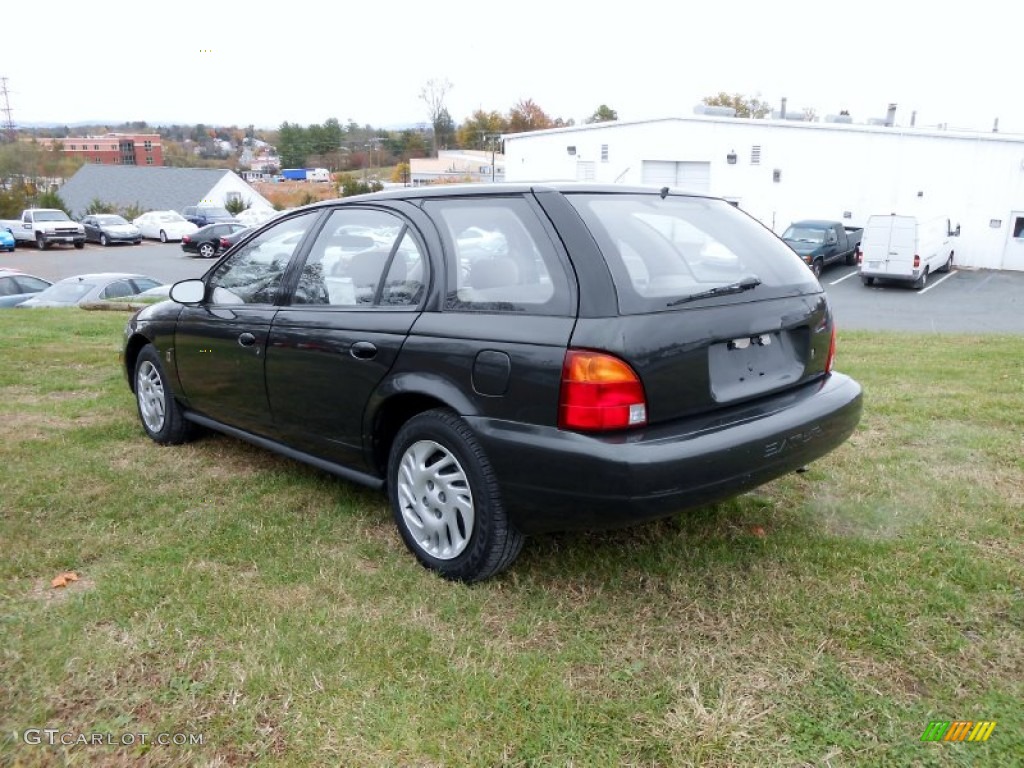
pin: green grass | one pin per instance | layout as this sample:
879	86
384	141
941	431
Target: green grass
822	620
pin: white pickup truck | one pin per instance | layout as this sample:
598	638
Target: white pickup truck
44	227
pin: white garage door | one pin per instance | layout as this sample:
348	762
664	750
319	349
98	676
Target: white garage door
691	176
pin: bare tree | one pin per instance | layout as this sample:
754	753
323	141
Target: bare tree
433	95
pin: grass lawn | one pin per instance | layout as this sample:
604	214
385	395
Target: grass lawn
271	611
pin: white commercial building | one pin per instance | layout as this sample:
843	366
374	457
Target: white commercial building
782	170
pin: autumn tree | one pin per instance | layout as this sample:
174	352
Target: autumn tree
603	114
475	129
744	106
527	116
433	94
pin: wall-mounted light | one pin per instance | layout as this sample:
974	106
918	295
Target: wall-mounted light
777	175
731	158
571	149
920	193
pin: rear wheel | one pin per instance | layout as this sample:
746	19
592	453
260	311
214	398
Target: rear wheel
163	236
867	280
207	251
922	281
159	412
445	499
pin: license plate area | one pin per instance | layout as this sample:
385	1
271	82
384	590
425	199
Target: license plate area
751	365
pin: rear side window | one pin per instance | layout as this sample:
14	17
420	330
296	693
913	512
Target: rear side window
664	251
501	259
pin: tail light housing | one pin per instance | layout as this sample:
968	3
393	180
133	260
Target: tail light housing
917	260
224	244
830	361
186	239
599	393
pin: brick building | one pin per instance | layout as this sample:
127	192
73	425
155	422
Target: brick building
113	148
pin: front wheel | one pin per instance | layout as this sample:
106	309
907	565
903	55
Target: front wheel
159	412
41	242
163	236
103	241
816	267
80	245
445	499
948	266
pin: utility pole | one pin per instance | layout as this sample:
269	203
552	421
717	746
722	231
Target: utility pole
492	138
8	119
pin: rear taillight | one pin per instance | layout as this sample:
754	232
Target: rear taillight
185	239
599	392
917	260
224	244
831	359
860	255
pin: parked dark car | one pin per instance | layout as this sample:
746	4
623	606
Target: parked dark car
16	287
109	228
820	243
201	215
585	357
207	241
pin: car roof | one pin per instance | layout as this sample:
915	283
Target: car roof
94	276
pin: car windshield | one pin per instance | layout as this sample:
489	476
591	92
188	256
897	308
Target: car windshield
214	213
51	216
663	250
110	220
171	217
804	235
67	293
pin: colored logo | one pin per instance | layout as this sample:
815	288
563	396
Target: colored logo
958	730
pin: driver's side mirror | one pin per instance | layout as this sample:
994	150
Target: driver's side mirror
188	291
956	232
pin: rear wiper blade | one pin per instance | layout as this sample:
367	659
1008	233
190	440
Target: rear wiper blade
746	284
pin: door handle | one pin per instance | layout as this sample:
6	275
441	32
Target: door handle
246	339
363	350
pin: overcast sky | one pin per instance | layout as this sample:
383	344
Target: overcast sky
223	63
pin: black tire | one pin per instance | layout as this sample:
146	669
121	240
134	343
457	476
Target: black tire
851	258
207	251
103	241
472	539
41	243
163	236
816	267
867	280
159	412
80	245
922	281
948	266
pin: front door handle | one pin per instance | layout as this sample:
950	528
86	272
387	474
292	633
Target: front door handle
246	339
363	350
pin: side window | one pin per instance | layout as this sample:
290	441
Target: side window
503	259
8	287
117	290
363	258
253	274
30	284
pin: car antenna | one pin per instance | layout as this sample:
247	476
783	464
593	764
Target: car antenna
664	192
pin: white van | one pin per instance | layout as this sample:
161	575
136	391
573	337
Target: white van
906	248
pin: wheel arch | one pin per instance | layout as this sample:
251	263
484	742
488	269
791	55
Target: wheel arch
399	402
132	348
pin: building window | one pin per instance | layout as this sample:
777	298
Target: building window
755	154
1018	227
149	160
604	153
96	147
74	147
148	145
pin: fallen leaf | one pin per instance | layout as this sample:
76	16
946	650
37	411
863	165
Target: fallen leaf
63	579
758	531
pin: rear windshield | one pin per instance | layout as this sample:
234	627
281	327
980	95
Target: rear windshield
664	252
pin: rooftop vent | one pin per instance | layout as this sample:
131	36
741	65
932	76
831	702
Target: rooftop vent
838	119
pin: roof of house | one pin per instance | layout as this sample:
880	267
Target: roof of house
148	187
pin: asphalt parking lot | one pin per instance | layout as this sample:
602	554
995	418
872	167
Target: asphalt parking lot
964	301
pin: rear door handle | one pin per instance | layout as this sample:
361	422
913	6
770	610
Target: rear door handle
246	339
363	350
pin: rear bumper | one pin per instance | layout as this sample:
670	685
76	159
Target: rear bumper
553	480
